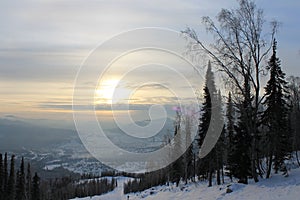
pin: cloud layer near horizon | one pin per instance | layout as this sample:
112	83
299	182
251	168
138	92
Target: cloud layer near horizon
43	43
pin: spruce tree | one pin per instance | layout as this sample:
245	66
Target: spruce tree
11	180
20	185
203	163
35	192
5	176
28	182
240	158
275	116
209	163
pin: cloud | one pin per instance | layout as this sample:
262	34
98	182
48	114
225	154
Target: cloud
37	65
140	104
43	43
49	39
147	86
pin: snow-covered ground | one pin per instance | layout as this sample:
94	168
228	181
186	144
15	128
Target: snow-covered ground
277	187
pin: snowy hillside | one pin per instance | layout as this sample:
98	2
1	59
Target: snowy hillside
277	187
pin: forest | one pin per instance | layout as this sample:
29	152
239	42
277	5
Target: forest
21	184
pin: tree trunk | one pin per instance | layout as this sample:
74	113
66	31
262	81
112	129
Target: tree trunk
253	159
297	158
223	181
218	177
210	174
269	166
259	167
210	178
218	167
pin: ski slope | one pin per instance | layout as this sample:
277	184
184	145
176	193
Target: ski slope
277	187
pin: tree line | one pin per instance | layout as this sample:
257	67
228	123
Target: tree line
67	187
21	185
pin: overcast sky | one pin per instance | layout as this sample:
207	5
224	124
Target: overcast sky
43	43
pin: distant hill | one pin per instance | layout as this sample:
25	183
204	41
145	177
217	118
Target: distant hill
135	144
17	134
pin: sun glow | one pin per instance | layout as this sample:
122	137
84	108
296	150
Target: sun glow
111	91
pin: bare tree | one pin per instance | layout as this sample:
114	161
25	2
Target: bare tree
239	50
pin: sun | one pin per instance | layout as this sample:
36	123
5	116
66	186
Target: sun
104	92
110	91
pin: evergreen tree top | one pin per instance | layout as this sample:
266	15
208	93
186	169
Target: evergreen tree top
210	80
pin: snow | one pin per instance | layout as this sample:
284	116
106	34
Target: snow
275	188
52	166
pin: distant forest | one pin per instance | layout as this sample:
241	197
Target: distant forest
21	185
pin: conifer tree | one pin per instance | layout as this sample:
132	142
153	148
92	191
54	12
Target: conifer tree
275	117
11	180
240	158
28	182
208	164
202	130
35	192
5	176
20	185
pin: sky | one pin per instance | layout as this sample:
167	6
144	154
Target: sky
44	43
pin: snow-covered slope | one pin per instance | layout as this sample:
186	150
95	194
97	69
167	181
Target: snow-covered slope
277	187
